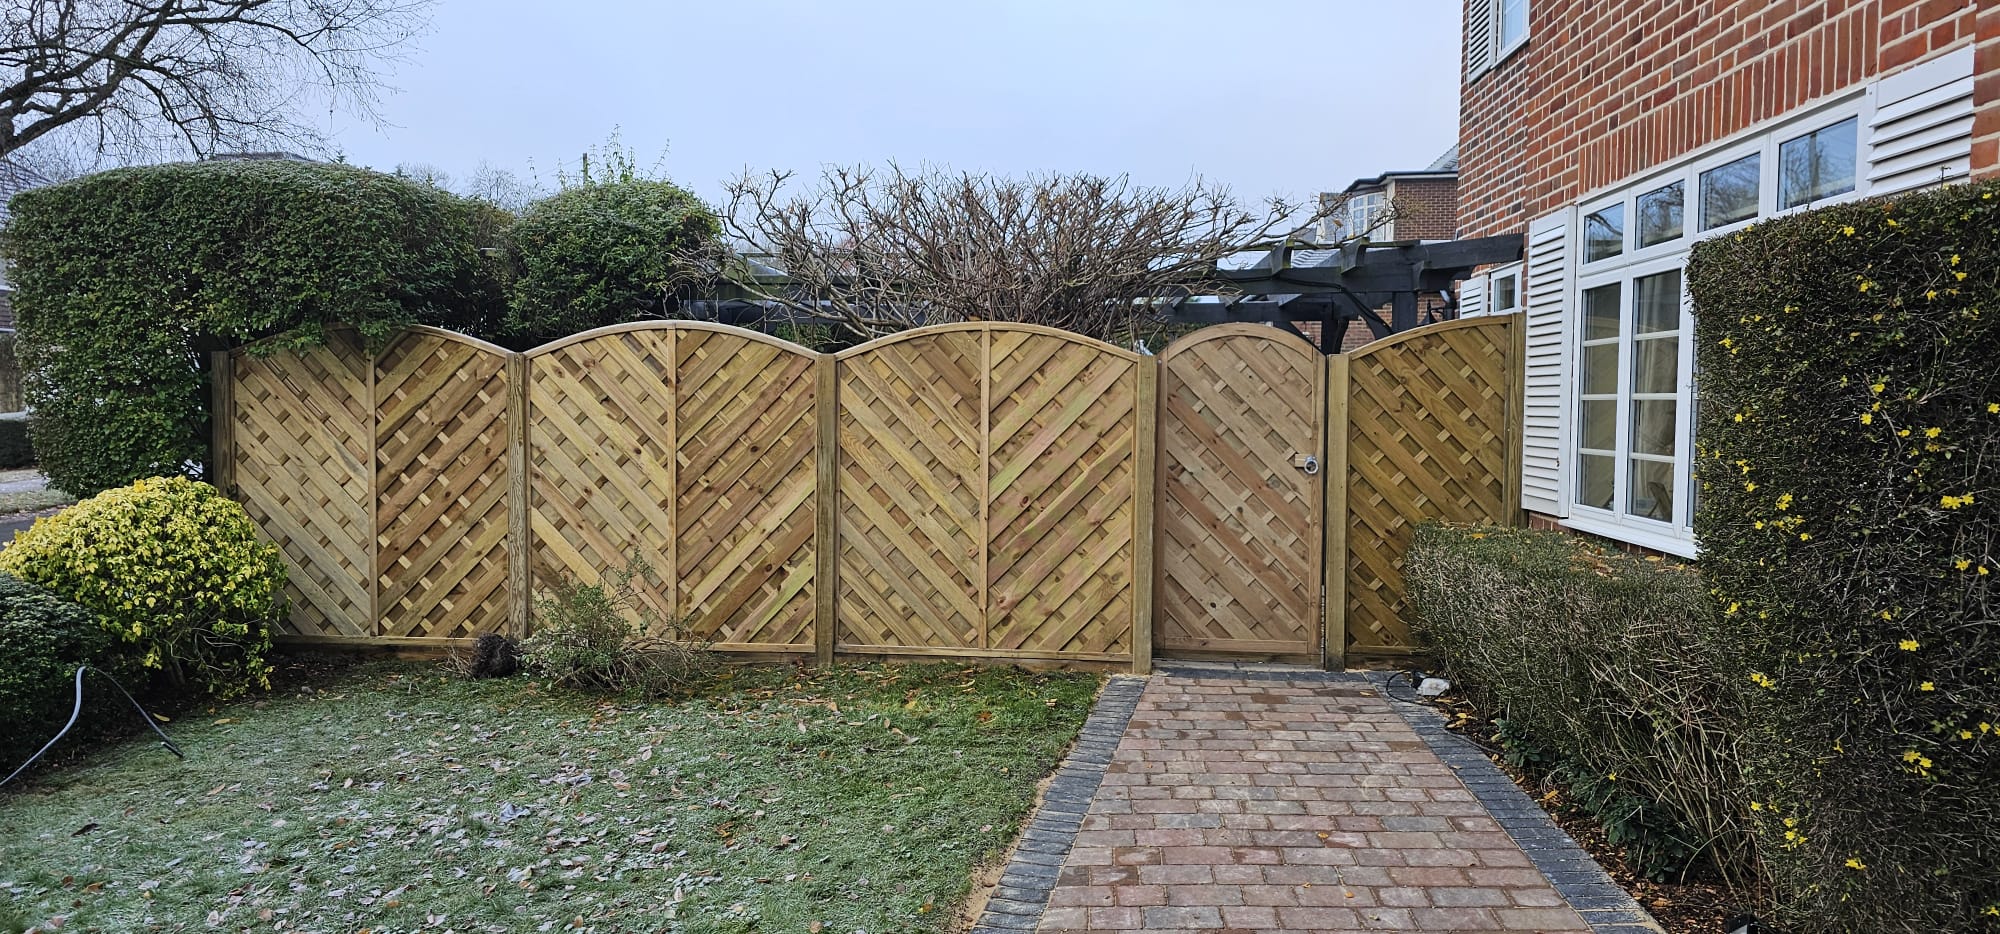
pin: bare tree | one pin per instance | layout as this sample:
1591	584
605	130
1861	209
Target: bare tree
500	188
149	77
875	252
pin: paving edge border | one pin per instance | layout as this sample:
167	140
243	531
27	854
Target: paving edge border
1022	895
1603	904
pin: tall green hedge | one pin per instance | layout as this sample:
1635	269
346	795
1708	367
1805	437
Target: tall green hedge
1848	442
124	278
601	251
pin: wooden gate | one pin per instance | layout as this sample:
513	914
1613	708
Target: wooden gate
1242	495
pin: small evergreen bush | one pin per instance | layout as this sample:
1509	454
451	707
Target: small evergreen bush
1601	669
43	638
173	570
1848	446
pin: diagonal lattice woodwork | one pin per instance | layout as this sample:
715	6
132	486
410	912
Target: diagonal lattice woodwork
1239	524
746	438
1427	439
301	436
442	486
601	456
1060	495
911	457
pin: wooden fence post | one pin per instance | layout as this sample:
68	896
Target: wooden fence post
1334	556
520	582
826	503
1145	474
1517	396
221	424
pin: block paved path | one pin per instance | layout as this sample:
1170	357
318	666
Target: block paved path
1267	805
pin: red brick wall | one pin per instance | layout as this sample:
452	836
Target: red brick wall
1605	89
1426	208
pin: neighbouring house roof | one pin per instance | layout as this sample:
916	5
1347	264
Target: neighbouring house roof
1444	166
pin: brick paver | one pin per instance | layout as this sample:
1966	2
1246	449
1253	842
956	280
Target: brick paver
1260	805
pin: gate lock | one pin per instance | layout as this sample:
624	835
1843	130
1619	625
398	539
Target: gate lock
1308	463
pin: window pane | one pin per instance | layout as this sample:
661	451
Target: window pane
1652	492
1660	214
1599	430
1503	293
1653	427
1729	192
1657	303
1655	364
1817	165
1604	233
1513	21
1600	312
1600	370
1593	480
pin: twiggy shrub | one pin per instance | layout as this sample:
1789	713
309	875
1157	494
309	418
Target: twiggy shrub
605	637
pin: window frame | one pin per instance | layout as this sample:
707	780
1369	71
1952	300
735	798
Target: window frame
1510	273
1634	263
1502	49
1372	204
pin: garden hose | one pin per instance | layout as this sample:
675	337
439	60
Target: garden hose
78	711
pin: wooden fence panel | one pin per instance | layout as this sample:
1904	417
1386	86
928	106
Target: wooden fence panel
299	442
912	455
1429	433
746	437
1239	519
601	450
441	483
1060	503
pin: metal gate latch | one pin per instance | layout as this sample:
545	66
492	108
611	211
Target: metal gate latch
1307	462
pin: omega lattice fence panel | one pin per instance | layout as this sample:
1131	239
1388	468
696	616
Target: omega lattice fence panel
442	486
298	442
912	455
1429	436
1061	495
601	460
746	437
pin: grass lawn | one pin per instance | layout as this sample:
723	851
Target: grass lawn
394	797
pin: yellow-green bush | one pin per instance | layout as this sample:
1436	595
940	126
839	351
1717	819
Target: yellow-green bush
1848	445
173	569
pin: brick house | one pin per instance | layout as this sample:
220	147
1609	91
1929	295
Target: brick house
1613	134
1417	204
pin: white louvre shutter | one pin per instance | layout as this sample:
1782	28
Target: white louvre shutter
1920	131
1472	297
1547	401
1481	19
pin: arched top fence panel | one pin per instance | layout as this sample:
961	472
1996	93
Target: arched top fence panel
1187	342
670	326
1429	332
993	327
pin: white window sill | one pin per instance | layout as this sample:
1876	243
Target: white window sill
1660	539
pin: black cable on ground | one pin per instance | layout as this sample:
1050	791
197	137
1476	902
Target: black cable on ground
78	711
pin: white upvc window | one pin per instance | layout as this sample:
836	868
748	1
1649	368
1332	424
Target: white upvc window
1632	354
1494	29
1366	216
1510	19
1503	291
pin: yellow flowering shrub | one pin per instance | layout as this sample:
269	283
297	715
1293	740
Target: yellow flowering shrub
173	569
1864	654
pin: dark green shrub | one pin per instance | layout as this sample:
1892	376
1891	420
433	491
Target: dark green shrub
174	570
604	250
16	450
43	639
125	278
1848	445
1601	669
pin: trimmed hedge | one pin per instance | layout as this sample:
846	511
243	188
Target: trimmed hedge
1602	671
174	570
16	449
43	638
125	278
600	252
1848	445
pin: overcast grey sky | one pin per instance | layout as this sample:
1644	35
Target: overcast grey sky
1266	96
